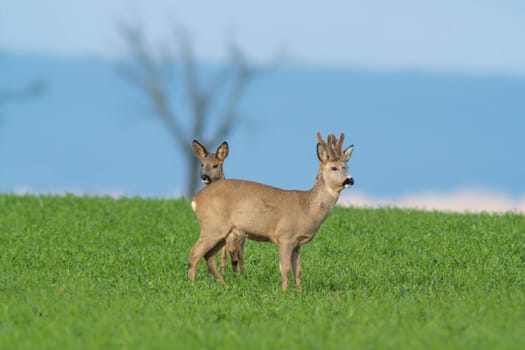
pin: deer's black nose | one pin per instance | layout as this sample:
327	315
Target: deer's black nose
206	179
348	182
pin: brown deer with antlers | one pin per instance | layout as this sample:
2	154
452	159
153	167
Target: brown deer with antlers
211	171
288	218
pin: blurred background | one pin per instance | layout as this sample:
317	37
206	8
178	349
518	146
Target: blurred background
104	97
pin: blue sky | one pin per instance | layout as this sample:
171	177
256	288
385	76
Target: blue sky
480	36
479	44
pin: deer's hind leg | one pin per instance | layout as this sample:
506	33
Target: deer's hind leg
206	246
232	249
224	257
212	262
240	249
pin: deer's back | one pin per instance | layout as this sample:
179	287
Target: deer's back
252	207
234	195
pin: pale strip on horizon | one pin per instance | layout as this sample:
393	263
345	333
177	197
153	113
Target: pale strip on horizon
460	201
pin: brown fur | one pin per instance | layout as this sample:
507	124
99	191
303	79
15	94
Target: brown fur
211	171
264	213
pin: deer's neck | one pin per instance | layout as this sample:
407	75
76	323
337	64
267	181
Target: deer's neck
322	198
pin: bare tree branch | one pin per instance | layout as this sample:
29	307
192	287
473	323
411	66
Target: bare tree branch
150	74
35	88
147	74
198	100
230	114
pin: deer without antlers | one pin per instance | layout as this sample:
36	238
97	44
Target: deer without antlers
211	171
288	218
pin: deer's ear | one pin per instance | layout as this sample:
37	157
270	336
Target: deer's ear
321	153
348	153
198	149
222	151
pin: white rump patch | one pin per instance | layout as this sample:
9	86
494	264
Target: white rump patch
193	205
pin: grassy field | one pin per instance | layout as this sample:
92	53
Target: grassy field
99	273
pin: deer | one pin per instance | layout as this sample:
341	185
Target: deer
287	218
211	171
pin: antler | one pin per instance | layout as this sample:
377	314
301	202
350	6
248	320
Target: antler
339	145
323	143
320	139
333	146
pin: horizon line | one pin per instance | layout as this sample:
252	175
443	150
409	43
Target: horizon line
464	200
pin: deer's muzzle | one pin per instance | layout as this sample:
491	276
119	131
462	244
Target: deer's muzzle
205	179
348	182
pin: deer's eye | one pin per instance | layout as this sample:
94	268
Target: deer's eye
334	168
215	166
202	164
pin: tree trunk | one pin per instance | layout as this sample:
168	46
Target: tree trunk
193	175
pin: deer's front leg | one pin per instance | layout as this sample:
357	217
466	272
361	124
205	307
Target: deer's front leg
296	266
285	262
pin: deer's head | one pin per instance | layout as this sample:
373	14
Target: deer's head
211	163
333	162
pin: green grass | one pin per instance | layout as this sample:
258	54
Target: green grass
95	273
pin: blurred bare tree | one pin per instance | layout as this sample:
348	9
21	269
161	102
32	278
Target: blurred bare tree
12	95
208	112
32	89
